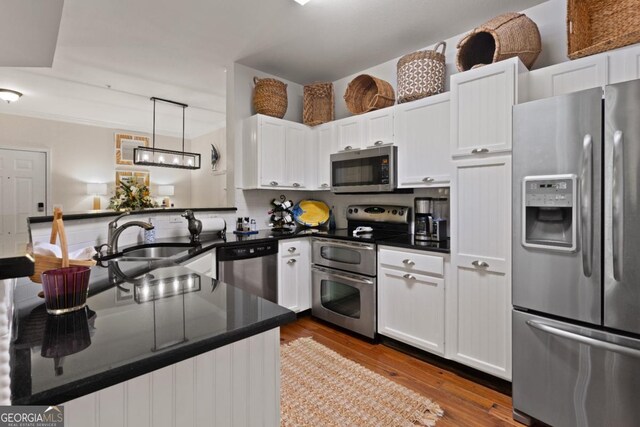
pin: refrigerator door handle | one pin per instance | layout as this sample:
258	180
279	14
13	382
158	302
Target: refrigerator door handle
617	202
586	210
583	339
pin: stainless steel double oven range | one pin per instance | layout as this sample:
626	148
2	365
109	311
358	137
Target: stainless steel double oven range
345	266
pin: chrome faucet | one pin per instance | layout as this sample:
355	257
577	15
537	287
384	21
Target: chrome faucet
115	231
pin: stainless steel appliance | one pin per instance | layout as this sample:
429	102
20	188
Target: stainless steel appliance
252	267
576	277
371	170
344	267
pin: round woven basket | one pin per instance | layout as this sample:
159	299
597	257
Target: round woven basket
505	36
421	74
368	93
270	97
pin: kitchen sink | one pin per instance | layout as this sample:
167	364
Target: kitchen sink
148	252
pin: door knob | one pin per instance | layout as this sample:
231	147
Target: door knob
291	261
408	262
295	184
480	264
427	179
378	143
273	183
292	249
348	147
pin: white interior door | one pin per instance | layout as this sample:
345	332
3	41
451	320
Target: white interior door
23	193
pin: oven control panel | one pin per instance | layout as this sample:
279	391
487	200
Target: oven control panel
379	213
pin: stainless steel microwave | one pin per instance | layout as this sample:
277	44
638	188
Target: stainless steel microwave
370	170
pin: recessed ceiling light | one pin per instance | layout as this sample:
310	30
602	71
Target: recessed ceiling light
302	2
9	95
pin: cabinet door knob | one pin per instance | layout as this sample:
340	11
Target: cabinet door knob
480	264
408	262
292	249
273	183
348	147
479	150
324	185
378	143
295	184
409	276
427	179
291	261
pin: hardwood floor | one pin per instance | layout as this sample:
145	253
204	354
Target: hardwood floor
465	403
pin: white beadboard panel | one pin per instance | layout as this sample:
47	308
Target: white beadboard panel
481	102
378	126
350	133
567	77
483	212
483	321
235	385
111	406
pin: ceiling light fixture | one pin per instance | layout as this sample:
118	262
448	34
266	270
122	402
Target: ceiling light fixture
166	158
302	2
9	95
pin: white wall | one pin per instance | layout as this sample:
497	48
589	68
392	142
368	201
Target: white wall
81	154
209	187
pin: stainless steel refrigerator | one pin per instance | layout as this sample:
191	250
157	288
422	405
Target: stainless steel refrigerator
576	258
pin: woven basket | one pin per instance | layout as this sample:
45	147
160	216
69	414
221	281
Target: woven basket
505	36
421	74
595	26
367	93
318	104
270	97
44	263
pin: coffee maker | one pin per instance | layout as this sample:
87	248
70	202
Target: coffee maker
423	218
429	224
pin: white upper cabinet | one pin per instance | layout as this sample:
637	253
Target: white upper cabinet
481	102
325	138
422	131
277	154
624	64
378	127
567	77
349	133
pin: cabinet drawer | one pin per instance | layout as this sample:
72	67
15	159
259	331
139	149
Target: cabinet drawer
409	260
290	248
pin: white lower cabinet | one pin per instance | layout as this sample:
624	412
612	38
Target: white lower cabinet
411	305
294	274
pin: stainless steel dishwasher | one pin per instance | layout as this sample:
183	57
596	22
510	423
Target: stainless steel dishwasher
252	267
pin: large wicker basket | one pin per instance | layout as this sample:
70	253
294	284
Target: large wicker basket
421	74
595	26
44	263
367	93
270	97
503	37
318	104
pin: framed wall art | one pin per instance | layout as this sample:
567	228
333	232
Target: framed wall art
139	177
125	143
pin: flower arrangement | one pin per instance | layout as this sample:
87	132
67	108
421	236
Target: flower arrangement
131	196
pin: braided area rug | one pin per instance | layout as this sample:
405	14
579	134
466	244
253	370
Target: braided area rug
321	388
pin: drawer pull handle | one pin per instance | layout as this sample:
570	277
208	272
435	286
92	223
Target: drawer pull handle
324	185
295	184
291	261
480	264
408	262
409	276
378	143
292	249
273	183
348	147
479	150
427	179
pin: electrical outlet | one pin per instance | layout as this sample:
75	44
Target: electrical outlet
175	219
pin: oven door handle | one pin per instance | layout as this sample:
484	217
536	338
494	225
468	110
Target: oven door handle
349	278
352	245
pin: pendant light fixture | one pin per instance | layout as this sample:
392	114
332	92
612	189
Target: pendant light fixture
145	156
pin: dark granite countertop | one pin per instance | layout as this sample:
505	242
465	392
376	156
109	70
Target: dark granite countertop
408	241
140	317
107	213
